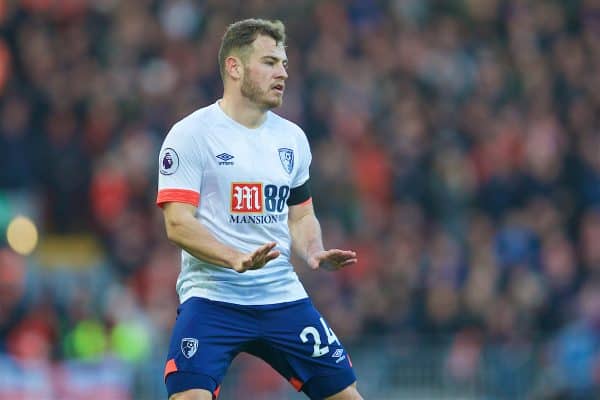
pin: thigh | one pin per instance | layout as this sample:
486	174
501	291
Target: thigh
302	347
193	394
206	337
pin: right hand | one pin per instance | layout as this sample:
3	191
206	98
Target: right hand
257	259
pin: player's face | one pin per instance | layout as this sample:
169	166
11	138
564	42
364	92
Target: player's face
265	73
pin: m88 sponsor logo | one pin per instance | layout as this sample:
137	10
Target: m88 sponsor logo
256	198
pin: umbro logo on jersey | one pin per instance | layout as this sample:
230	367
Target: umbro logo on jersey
225	159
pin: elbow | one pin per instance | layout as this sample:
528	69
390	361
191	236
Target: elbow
173	229
179	220
171	235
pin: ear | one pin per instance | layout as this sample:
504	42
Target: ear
234	67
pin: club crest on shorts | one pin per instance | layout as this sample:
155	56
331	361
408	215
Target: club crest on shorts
169	161
287	159
189	346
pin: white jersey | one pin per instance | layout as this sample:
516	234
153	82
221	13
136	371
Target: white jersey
240	180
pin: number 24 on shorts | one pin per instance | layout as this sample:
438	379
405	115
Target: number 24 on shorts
319	351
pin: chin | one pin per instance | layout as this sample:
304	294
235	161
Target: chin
273	103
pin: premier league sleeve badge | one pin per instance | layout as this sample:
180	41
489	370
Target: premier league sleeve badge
169	161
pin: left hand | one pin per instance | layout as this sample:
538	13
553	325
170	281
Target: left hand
332	260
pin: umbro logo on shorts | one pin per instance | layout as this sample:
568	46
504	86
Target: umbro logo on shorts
337	353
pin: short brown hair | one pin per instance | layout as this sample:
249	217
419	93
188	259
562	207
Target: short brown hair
240	35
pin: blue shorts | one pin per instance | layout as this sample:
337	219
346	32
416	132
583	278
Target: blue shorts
292	337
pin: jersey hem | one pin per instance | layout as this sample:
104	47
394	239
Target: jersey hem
199	293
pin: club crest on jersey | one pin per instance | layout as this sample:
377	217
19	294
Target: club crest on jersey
189	346
287	159
169	161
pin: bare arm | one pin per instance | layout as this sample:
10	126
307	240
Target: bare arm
187	232
307	241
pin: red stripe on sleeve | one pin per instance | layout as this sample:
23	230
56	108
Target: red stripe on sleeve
170	367
179	196
296	383
216	392
305	202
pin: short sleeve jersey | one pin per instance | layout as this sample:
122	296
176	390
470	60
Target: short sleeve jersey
240	180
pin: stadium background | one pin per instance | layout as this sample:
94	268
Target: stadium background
456	147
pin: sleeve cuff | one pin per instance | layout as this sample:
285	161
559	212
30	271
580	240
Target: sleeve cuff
179	196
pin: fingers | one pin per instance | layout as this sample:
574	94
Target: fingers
332	260
262	261
337	254
264	254
265	248
260	257
334	266
272	255
340	256
349	262
335	259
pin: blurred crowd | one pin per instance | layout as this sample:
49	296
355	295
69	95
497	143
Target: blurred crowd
456	148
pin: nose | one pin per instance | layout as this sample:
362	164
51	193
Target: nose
282	72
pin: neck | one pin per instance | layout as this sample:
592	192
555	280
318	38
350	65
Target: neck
243	111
